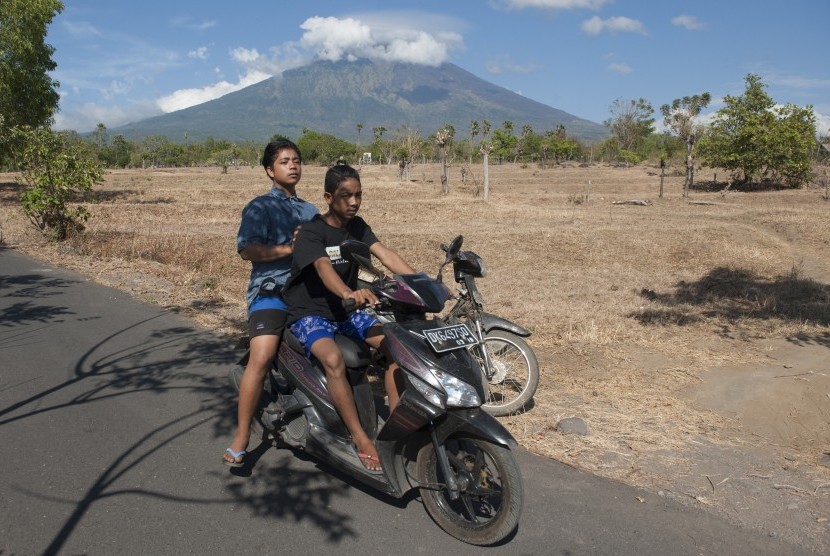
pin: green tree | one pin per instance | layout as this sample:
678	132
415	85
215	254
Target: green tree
323	148
28	95
528	143
679	117
631	122
117	155
755	139
55	170
505	144
100	137
557	144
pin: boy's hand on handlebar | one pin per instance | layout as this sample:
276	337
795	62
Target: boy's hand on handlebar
363	297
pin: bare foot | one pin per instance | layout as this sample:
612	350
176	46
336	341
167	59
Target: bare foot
235	454
368	456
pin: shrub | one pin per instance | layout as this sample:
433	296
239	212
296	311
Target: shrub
54	172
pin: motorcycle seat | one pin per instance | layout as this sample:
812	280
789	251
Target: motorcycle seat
356	353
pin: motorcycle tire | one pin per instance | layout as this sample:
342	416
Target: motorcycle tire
513	374
491	493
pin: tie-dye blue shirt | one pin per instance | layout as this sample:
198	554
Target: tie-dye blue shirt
270	219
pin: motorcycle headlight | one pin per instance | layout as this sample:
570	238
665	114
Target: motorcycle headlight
431	394
459	393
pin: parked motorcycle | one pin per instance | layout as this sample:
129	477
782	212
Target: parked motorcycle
437	439
509	365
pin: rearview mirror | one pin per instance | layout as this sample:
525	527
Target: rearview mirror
453	248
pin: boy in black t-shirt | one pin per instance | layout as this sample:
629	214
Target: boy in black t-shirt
321	279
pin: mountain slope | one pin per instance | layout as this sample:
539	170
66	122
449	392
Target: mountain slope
333	97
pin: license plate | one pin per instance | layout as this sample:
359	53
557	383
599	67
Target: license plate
448	338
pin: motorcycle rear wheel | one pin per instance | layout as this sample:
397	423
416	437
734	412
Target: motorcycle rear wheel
491	495
513	374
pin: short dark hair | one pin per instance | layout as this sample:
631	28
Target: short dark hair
273	148
337	174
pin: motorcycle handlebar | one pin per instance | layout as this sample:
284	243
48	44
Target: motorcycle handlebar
351	305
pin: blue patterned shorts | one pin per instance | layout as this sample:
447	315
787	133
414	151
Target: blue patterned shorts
310	329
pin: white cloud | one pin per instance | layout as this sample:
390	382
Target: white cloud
81	30
185	98
505	64
201	53
89	115
556	4
822	124
621	68
798	82
244	55
257	67
114	89
330	38
690	22
422	38
188	23
597	25
278	59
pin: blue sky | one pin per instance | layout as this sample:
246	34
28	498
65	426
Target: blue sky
124	61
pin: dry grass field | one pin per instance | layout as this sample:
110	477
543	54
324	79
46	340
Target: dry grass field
692	336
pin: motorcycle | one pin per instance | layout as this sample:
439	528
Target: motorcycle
437	439
508	364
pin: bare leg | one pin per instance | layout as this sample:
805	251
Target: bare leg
327	352
263	349
376	339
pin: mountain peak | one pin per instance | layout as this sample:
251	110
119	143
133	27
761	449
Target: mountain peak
333	97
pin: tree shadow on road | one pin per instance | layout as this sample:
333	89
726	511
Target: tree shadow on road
149	356
156	354
730	297
114	369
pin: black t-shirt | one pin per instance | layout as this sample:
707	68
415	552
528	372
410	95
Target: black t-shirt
305	292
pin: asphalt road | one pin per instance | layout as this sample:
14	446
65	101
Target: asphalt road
114	415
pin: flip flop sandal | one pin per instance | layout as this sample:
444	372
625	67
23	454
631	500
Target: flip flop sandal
236	456
363	458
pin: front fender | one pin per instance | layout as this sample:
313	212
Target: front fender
474	422
490	322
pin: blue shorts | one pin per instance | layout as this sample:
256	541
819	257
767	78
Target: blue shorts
310	329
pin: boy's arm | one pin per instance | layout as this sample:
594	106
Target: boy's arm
261	252
390	259
335	284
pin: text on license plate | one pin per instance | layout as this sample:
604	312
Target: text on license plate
447	338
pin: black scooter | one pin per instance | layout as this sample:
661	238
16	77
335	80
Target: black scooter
437	439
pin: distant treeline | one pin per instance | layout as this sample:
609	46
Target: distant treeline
403	144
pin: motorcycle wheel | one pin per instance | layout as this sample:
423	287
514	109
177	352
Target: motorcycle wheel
513	376
491	496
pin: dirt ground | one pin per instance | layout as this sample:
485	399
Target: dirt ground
691	335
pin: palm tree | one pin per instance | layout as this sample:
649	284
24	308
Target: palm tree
474	131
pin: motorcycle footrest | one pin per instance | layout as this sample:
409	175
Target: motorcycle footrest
284	405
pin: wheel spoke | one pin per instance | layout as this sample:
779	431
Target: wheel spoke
469	507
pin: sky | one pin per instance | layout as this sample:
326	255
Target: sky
120	61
